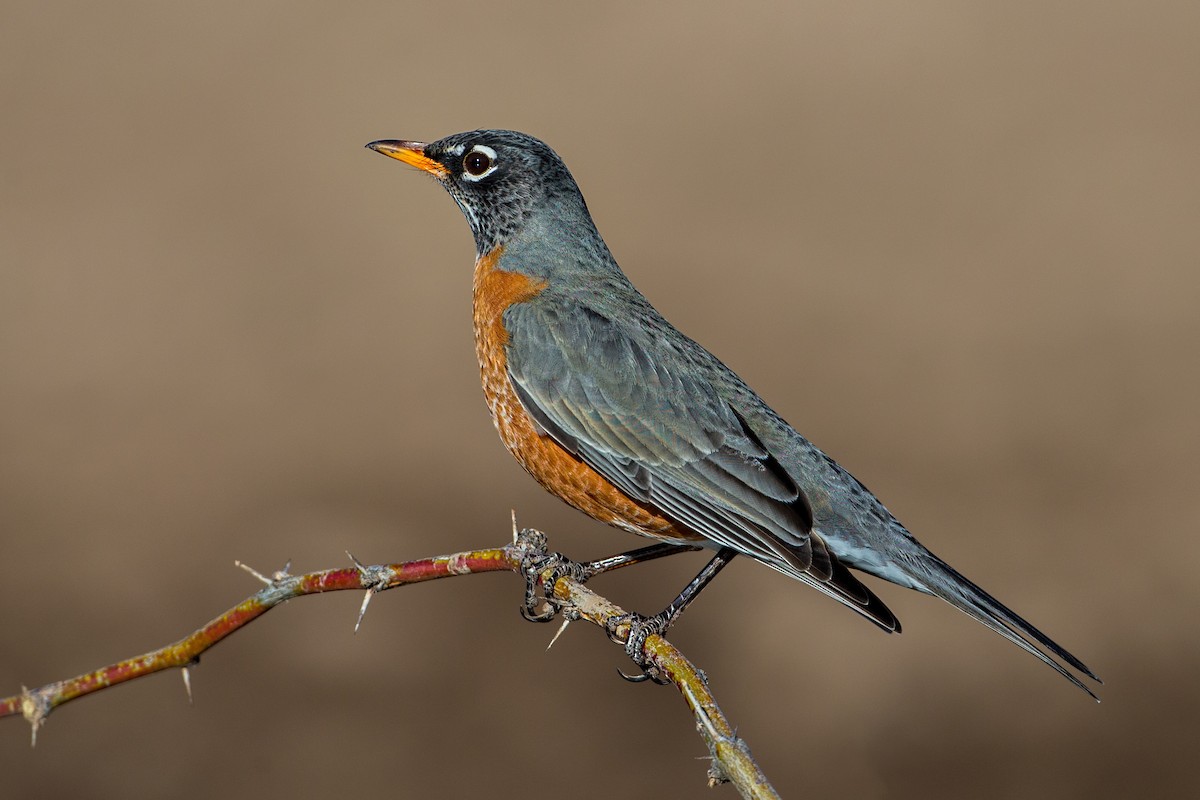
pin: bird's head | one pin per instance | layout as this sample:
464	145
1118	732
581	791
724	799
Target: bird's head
499	179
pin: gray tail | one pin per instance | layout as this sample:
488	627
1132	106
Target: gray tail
969	598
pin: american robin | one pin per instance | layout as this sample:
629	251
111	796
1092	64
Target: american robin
613	410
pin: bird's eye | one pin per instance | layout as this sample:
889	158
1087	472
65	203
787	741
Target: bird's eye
476	163
479	162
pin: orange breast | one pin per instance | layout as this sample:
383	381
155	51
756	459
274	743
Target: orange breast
553	467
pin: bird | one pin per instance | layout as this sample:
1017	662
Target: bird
615	411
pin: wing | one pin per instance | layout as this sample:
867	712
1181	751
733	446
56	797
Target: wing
641	411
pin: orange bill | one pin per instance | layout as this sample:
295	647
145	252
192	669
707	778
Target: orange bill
410	153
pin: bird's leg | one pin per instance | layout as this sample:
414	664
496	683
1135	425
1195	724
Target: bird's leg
632	557
641	627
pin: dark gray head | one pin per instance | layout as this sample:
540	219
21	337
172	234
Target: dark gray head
498	178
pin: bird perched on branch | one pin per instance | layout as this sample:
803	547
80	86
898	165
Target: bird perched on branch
612	409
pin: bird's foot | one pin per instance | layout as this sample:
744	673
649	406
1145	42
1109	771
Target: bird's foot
545	569
640	629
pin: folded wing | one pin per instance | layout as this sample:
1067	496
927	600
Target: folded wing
642	414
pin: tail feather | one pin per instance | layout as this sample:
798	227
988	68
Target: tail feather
964	595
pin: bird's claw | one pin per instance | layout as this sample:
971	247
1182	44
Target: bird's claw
529	608
642	677
546	569
640	629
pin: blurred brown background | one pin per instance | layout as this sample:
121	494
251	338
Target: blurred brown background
956	244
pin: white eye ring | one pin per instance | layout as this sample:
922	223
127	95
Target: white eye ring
487	153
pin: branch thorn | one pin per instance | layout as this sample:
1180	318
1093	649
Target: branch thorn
362	610
253	572
566	621
374	578
35	708
276	576
187	679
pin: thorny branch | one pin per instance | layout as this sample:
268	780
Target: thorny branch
527	555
